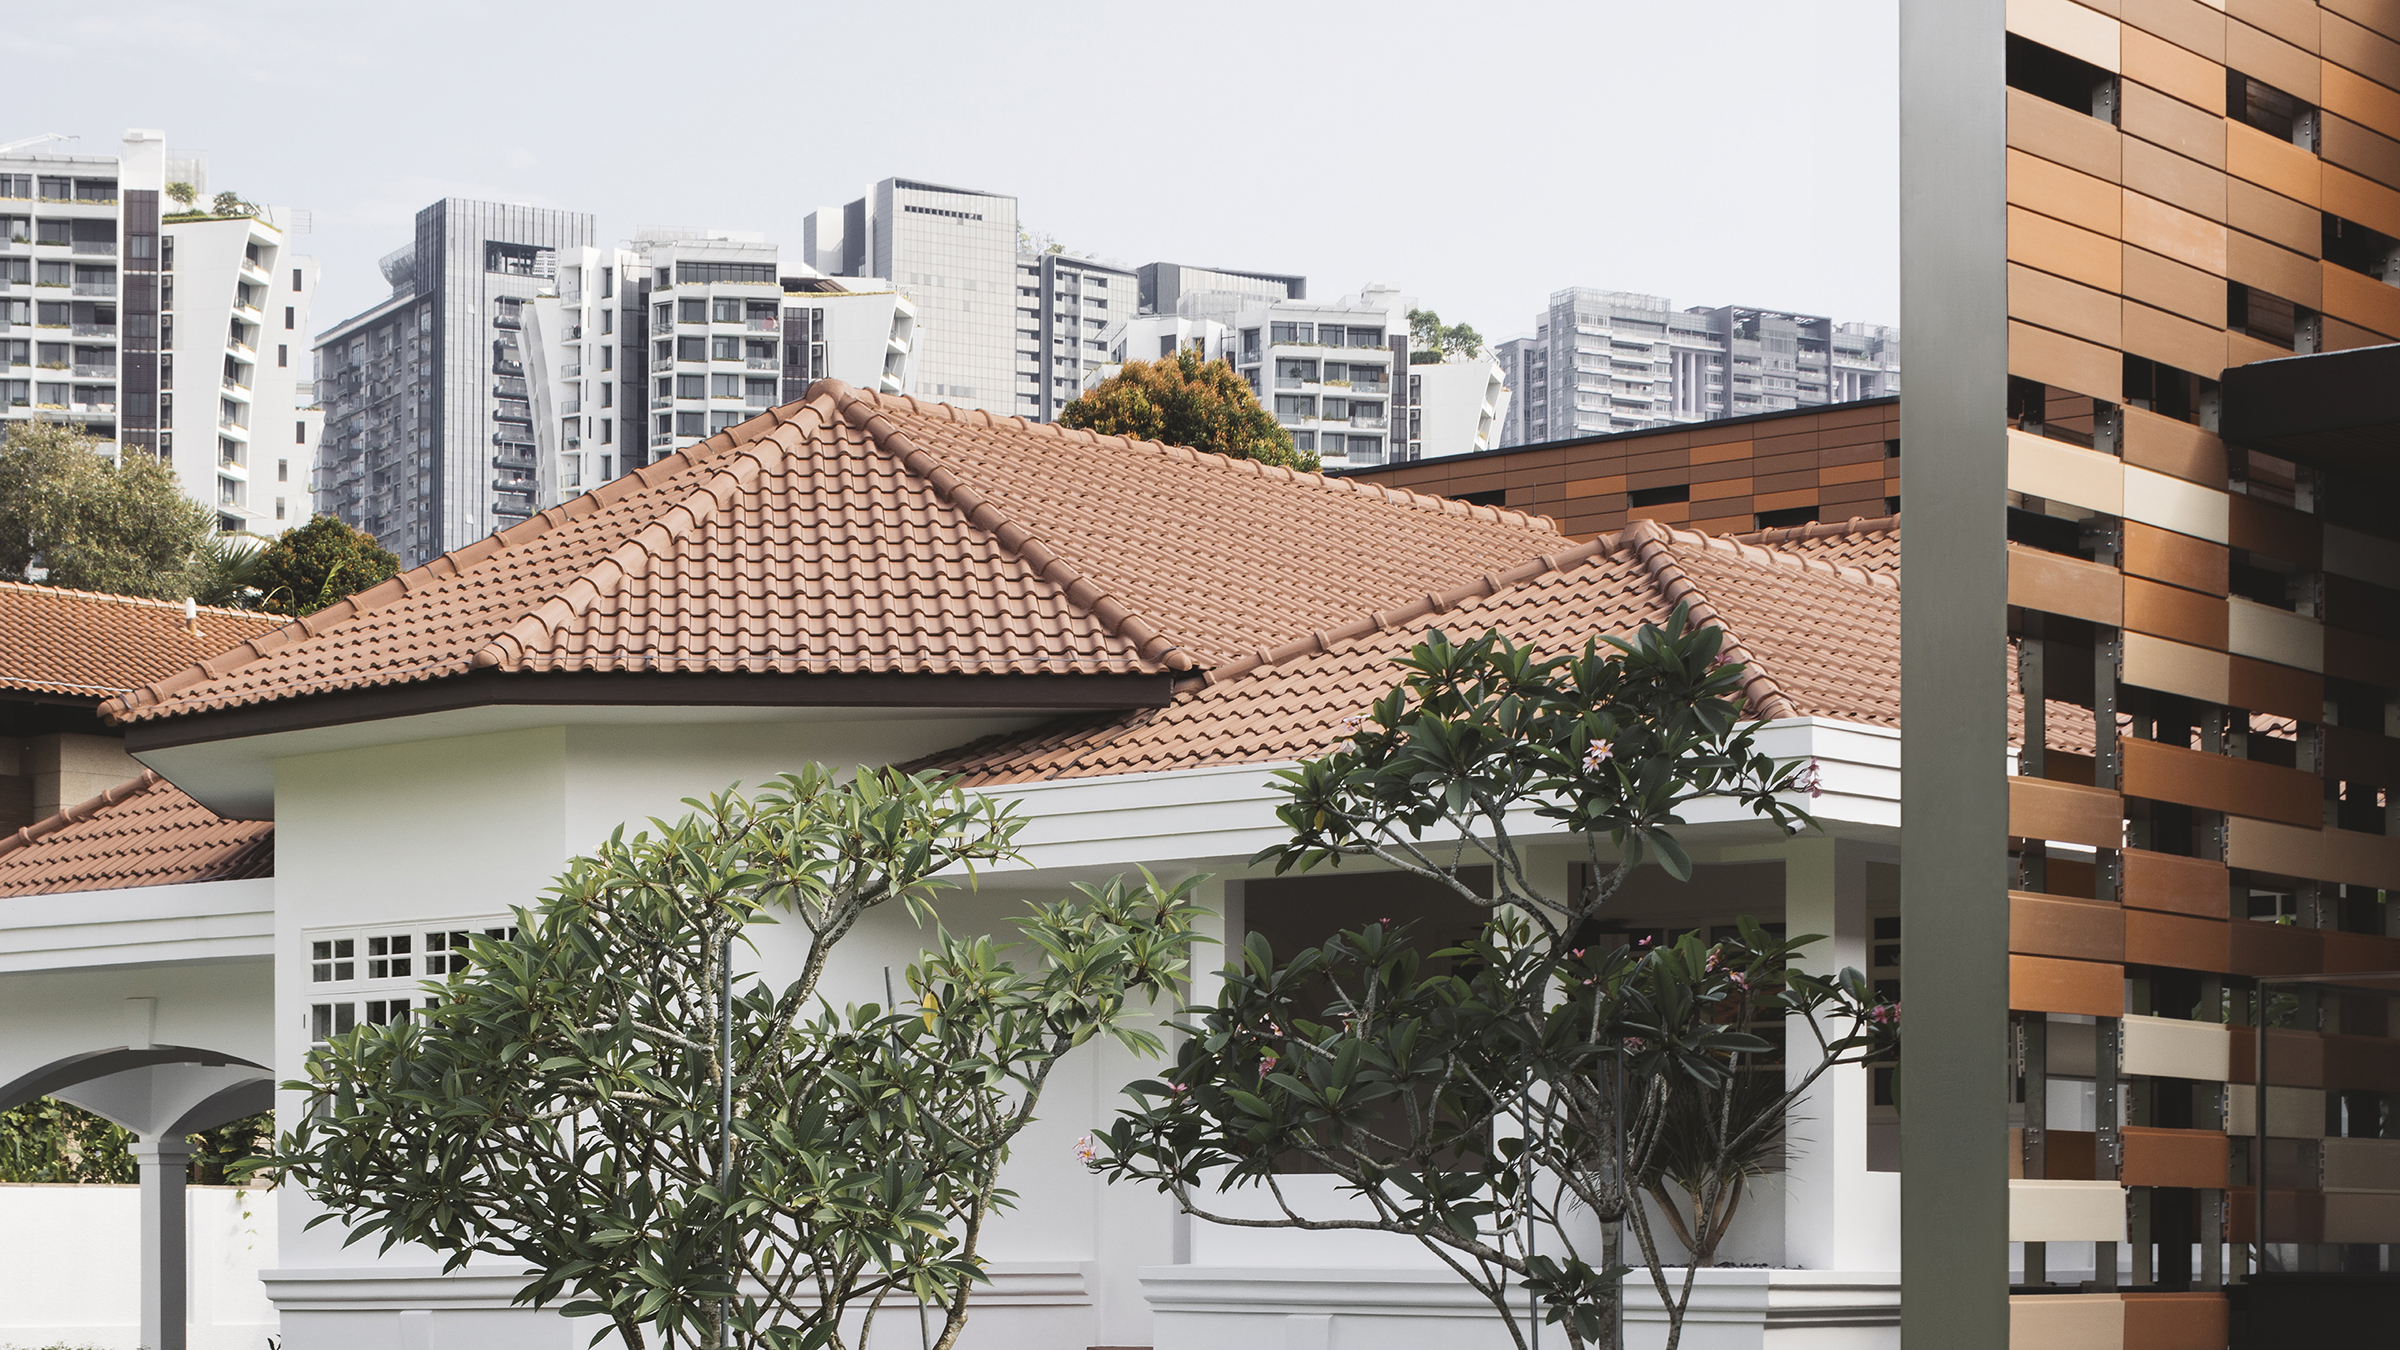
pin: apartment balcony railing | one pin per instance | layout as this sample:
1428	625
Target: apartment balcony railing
661	441
763	363
1292	382
106	330
232	384
92	407
507	321
513	463
508	367
1293	419
91	371
766	325
513	485
225	423
1369	420
570	405
95	288
571	370
101	247
758	401
509	436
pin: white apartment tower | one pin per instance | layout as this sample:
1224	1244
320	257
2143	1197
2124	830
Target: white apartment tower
640	350
1337	375
953	253
1600	362
116	310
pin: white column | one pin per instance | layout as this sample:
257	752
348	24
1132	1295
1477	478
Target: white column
164	1230
1827	1216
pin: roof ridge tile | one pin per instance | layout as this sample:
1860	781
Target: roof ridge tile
114	598
84	810
1653	545
982	513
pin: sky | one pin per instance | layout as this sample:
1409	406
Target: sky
1476	157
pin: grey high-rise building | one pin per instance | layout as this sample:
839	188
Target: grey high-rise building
953	253
428	440
1608	361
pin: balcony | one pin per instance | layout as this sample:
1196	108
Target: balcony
758	400
85	371
570	405
106	248
765	325
508	437
96	288
500	367
661	442
521	486
509	321
762	363
233	386
513	463
572	370
1375	420
225	423
97	330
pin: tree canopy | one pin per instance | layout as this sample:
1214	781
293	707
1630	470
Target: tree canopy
1494	1097
123	526
1183	400
1430	341
699	1157
318	564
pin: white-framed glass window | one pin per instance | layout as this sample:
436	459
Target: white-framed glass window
377	976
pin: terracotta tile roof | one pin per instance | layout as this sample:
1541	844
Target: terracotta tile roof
859	533
84	643
140	833
1872	544
1820	639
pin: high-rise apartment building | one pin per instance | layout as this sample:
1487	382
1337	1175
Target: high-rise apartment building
1605	361
117	309
637	351
1065	306
953	253
1336	374
428	417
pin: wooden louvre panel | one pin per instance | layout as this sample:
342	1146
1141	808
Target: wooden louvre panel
2198	1159
2180	1319
2173	612
2067	812
2357	1063
2261	948
2176	559
2178	941
2048	984
2175	885
2243	787
2294	1059
2057	584
2173	447
2292	1216
2056	925
2286	691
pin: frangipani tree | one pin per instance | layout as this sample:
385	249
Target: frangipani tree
1499	1099
697	1156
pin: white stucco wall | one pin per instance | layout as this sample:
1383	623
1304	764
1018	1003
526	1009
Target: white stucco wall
69	1272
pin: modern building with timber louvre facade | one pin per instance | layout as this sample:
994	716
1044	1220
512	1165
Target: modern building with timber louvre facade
2150	289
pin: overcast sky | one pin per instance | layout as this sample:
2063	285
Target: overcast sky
1478	157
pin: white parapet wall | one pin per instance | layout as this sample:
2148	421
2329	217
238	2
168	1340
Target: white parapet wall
70	1267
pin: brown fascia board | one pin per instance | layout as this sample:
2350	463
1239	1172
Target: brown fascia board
492	688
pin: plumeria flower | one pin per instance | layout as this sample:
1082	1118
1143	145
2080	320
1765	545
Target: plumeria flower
1597	754
1086	1152
1810	779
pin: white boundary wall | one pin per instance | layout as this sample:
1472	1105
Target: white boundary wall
70	1266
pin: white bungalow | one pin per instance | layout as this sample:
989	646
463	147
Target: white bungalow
1127	637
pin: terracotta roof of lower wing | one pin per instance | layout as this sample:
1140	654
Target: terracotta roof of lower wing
144	832
86	644
1818	638
854	533
1869	543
